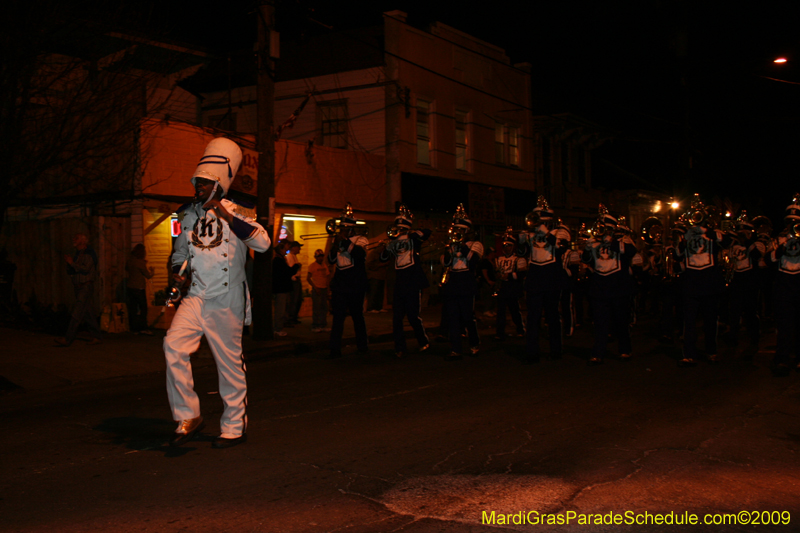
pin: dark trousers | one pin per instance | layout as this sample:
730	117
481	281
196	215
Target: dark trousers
342	304
567	312
137	309
547	301
407	303
460	315
787	319
83	312
295	300
508	300
375	294
611	315
671	307
743	307
705	307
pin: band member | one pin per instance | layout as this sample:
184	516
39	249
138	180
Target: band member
579	277
410	280
544	280
571	261
460	261
671	287
745	253
349	283
609	258
703	282
511	269
786	290
213	243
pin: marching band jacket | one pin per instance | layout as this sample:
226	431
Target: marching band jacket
515	267
350	259
699	255
462	260
610	261
216	251
407	265
746	257
544	255
786	258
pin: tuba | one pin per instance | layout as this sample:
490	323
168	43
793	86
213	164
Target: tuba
652	231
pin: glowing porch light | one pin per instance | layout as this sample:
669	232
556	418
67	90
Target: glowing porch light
780	60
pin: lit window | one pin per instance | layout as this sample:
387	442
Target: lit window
500	143
333	124
513	146
462	141
423	132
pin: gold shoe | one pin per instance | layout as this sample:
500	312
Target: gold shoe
187	429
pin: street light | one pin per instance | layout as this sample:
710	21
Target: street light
780	60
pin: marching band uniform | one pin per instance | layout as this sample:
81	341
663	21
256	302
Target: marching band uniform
746	252
461	261
671	287
570	261
410	280
703	283
610	290
543	281
511	269
349	284
218	302
786	290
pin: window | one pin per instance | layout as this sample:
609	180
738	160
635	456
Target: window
423	132
500	143
333	124
462	140
513	146
506	144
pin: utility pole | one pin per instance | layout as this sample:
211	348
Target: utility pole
265	144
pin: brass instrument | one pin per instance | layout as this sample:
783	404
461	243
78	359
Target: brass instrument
697	213
669	264
393	231
653	231
763	226
457	234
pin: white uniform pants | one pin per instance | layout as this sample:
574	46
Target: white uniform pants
220	319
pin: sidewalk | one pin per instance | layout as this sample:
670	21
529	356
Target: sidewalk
30	360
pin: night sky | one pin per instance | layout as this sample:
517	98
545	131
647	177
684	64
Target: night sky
663	78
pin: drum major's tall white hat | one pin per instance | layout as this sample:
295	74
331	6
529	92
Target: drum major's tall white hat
219	163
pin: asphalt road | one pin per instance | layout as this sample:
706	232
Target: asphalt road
371	443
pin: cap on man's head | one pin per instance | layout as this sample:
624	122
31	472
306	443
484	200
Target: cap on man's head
295	243
318	253
219	163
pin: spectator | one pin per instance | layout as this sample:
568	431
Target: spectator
319	278
281	285
82	269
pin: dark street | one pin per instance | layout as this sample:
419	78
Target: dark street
371	443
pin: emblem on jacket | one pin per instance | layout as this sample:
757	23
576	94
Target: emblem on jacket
207	231
698	249
790	260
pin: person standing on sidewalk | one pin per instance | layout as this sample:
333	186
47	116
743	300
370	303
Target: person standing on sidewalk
296	298
138	274
213	245
82	270
410	280
319	276
281	286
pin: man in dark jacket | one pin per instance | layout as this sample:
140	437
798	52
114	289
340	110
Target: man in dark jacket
282	285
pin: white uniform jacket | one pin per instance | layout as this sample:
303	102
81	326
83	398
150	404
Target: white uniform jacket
216	251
